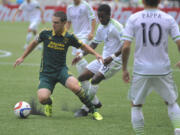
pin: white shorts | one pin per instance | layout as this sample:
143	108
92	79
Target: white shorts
107	71
75	50
34	25
143	85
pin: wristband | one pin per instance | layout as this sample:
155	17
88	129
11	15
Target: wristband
80	55
113	56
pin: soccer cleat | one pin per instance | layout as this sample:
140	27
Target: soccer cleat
177	131
48	110
99	105
81	113
97	116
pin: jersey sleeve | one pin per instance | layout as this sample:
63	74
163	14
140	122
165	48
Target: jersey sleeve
128	32
41	36
98	38
174	30
75	42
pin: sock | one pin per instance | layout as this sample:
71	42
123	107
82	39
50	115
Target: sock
86	100
28	37
48	101
174	114
92	91
94	101
137	120
85	85
81	65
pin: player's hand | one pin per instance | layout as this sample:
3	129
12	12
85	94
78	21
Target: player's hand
90	36
107	60
100	58
76	60
178	64
125	76
18	61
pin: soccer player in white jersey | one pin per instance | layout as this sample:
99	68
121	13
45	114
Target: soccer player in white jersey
34	14
109	32
151	28
83	21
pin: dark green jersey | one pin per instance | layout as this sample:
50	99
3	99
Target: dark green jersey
55	49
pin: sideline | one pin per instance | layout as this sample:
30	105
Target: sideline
4	53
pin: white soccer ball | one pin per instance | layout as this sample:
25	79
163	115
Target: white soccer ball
22	109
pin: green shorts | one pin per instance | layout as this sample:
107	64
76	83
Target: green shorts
49	80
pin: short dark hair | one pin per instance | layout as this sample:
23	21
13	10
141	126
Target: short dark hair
62	15
105	8
152	3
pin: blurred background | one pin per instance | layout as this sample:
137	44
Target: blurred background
121	3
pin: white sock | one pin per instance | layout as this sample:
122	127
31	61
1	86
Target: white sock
174	114
92	93
28	37
137	120
85	85
81	65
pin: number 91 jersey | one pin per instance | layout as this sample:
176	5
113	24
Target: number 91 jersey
151	29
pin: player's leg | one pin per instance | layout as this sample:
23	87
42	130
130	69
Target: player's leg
88	73
140	88
45	90
168	91
73	85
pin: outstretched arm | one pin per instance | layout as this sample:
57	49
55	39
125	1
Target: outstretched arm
90	50
29	49
79	56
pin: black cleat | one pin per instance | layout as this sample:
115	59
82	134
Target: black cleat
99	105
81	113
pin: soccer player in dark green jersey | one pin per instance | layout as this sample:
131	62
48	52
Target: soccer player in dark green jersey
53	63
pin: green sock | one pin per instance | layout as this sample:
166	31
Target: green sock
83	96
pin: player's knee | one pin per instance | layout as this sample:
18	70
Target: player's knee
43	97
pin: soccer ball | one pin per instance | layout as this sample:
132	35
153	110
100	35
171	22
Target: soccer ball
22	109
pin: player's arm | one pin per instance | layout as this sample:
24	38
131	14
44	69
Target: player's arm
93	27
28	50
90	50
178	44
125	56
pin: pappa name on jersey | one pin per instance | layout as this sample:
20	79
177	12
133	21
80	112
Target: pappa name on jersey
151	15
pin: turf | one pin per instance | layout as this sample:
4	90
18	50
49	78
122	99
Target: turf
21	84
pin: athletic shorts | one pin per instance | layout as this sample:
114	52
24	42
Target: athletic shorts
49	80
34	24
143	85
75	51
108	71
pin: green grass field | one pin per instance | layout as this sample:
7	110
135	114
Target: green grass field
21	84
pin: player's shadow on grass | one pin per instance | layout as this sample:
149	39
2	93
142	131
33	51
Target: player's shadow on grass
35	110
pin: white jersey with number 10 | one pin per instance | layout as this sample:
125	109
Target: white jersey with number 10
151	29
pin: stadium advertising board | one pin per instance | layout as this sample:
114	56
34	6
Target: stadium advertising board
121	14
